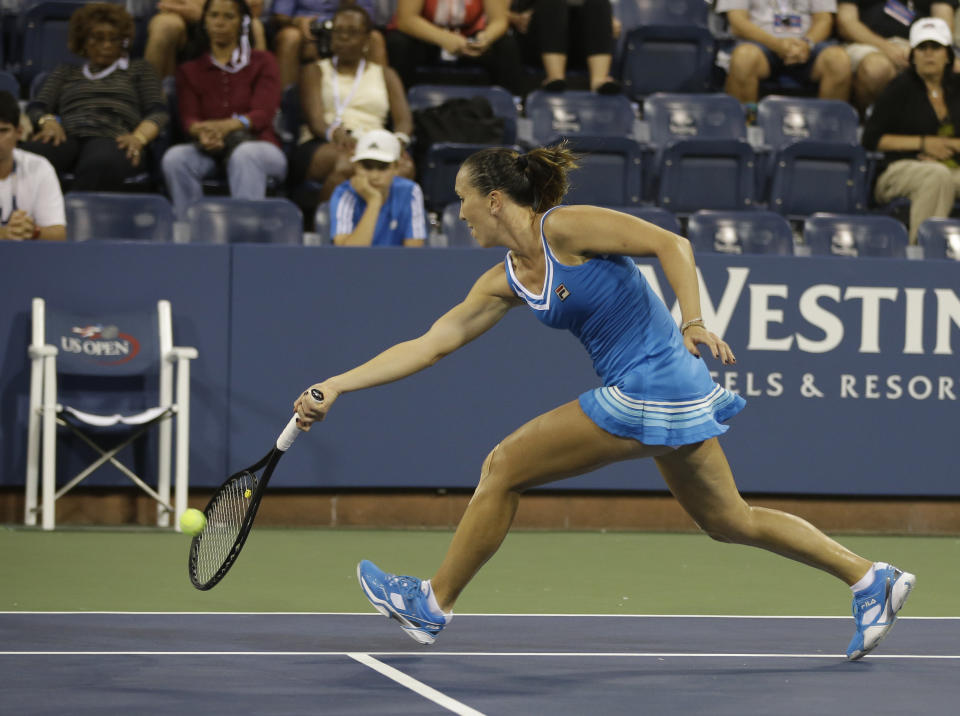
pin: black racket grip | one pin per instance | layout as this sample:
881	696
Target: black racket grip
316	395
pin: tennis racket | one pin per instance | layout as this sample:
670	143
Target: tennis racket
231	511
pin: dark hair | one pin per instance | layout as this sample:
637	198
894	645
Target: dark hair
537	179
9	109
244	11
350	6
92	14
947	71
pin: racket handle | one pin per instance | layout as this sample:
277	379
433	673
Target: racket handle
288	435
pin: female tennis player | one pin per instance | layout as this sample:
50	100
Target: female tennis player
569	264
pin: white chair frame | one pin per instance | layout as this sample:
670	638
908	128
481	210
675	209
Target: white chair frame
45	416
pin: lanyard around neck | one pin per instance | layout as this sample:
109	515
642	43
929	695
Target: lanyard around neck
338	106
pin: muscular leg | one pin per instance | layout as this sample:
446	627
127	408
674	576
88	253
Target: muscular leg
699	477
561	443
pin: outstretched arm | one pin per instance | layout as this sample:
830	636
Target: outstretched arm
488	301
573	231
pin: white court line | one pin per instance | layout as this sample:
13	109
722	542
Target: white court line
575	654
418	687
481	614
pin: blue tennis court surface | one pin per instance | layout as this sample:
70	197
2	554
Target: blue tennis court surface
268	663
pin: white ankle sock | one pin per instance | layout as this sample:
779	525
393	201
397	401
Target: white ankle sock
432	600
866	580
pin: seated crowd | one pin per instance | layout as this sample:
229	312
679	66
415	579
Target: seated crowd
197	111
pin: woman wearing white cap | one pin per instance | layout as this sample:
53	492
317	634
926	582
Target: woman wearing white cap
915	122
375	207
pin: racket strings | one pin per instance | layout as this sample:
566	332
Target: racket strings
225	517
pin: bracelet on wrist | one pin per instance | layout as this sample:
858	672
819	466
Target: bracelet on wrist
140	137
330	130
689	324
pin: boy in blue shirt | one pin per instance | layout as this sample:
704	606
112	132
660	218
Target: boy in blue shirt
376	207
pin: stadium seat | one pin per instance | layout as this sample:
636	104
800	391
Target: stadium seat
96	373
454	232
439	171
105	215
674	12
667	58
610	171
740	232
222	220
816	161
576	114
855	235
654	214
321	226
702	159
501	101
940	238
42	32
9	83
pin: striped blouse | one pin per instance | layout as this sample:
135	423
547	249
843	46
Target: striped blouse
107	107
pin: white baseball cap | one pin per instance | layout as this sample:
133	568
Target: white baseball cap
930	29
379	145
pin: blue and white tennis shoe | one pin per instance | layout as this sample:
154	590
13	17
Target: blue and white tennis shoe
875	608
406	599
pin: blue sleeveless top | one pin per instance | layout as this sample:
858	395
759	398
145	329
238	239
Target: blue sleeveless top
654	390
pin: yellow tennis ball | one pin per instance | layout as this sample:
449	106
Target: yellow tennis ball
192	522
248	493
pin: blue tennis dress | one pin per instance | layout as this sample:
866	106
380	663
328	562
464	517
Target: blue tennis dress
654	390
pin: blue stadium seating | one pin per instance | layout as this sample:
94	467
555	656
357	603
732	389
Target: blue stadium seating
940	238
9	83
610	171
855	235
501	101
816	161
105	215
578	113
740	232
222	220
658	12
42	31
667	58
701	157
456	232
439	171
654	214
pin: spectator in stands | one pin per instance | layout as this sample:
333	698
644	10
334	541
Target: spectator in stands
877	31
343	97
175	35
376	207
295	41
914	122
31	204
96	120
555	30
784	39
228	98
465	31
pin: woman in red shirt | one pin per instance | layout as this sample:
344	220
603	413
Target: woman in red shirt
227	99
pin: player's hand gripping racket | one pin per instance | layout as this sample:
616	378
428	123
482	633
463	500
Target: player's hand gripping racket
231	511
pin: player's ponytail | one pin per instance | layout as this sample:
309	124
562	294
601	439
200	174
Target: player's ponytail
537	179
